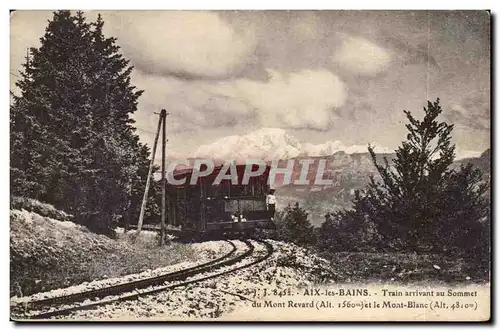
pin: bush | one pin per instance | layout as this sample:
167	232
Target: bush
43	209
421	204
346	231
293	225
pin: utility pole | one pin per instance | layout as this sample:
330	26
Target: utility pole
148	181
163	116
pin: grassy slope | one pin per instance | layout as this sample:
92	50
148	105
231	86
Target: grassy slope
48	254
403	268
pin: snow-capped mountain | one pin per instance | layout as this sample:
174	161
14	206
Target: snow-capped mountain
272	144
266	144
332	147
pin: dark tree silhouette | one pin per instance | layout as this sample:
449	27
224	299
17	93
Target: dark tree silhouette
294	226
73	142
420	203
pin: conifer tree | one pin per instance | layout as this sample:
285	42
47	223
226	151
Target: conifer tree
73	142
294	226
420	202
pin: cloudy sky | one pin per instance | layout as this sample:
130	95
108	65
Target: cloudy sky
321	75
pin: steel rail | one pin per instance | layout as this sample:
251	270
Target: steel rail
135	296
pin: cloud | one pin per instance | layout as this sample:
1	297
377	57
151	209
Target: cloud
362	56
473	112
411	54
209	70
273	144
306	99
26	28
188	44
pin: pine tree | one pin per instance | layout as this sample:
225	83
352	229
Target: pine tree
41	153
73	141
420	202
294	226
464	214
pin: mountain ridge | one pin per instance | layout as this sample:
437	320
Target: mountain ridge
278	144
274	144
349	172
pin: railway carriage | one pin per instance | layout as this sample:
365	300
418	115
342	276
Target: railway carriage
205	209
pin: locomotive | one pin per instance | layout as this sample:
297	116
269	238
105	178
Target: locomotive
205	209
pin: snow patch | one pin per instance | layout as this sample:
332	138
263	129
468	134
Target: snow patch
273	144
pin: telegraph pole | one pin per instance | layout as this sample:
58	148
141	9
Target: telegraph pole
163	116
148	180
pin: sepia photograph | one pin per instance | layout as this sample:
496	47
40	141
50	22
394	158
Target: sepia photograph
250	165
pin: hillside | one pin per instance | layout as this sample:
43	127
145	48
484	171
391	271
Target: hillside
349	172
46	253
482	162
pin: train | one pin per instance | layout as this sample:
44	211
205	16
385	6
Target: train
206	210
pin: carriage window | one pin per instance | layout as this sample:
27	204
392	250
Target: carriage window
216	191
231	206
181	193
258	185
215	211
248	189
244	190
237	190
225	188
193	192
259	205
246	205
212	191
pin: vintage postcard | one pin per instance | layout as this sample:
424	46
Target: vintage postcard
250	165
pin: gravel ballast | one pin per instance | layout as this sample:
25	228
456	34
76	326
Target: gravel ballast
289	267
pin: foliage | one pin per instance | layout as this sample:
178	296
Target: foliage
42	209
421	203
403	268
294	226
46	254
72	140
348	230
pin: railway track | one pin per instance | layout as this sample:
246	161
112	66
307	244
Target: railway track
65	305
